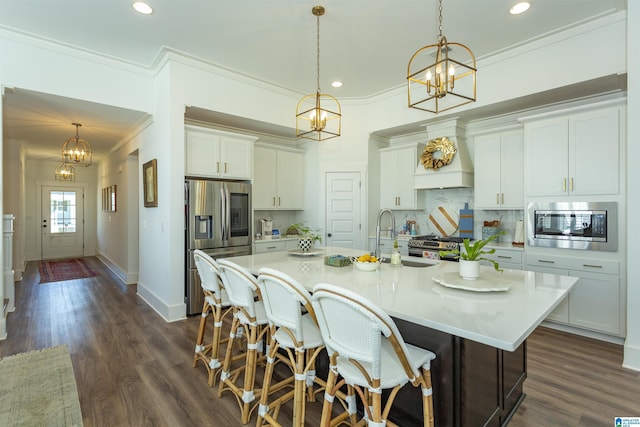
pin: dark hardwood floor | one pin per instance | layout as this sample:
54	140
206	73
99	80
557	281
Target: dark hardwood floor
133	368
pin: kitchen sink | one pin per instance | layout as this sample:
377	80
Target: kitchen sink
407	263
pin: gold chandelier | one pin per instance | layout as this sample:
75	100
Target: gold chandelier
65	171
441	76
77	150
318	115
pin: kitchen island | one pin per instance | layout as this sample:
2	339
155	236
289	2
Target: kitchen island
479	337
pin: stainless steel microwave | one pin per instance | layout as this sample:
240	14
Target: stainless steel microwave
573	225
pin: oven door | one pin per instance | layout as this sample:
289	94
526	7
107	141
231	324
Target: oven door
425	253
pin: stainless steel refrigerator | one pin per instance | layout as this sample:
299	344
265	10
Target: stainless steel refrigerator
218	222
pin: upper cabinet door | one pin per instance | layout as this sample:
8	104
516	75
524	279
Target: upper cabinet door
397	182
577	154
498	170
512	170
547	157
202	154
236	154
216	154
594	150
278	179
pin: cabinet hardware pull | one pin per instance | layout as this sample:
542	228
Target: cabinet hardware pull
399	201
217	167
271	247
497	198
278	201
592	265
225	167
502	199
274	201
504	257
564	184
547	261
571	185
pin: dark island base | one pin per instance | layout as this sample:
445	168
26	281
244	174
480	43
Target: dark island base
473	384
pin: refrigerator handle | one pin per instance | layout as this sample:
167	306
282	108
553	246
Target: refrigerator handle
223	210
227	213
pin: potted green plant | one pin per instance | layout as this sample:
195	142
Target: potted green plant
308	236
471	255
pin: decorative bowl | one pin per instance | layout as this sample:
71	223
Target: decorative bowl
366	266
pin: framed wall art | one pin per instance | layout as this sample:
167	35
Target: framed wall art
150	183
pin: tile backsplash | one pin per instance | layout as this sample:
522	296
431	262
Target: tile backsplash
454	199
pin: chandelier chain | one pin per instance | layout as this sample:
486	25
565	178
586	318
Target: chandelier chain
318	52
440	10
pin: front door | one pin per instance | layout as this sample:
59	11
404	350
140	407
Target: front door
62	222
343	209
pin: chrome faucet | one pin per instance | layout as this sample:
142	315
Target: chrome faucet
393	228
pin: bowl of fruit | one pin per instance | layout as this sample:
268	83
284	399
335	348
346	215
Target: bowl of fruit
366	262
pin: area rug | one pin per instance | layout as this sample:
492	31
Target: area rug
66	269
38	388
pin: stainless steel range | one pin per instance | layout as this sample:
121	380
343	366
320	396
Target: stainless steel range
430	246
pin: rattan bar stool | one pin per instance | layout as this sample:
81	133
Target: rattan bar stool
294	331
217	303
248	314
367	352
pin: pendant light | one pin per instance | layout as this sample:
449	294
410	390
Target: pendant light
318	115
64	171
76	150
441	76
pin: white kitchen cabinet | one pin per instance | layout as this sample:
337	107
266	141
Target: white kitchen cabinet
278	179
498	170
274	245
597	300
506	258
576	154
216	154
397	170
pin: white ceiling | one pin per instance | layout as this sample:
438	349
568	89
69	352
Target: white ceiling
364	43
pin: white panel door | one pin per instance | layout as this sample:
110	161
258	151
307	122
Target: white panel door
343	216
62	222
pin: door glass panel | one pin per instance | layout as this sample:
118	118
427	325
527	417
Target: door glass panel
239	214
63	212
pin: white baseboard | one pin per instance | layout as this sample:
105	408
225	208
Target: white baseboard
631	357
126	277
170	313
584	332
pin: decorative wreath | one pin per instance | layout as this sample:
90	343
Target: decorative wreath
444	146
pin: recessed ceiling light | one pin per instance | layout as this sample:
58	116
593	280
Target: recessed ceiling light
336	84
519	8
143	8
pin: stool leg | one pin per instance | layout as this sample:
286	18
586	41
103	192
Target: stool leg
427	398
226	366
264	397
329	395
249	373
214	363
200	347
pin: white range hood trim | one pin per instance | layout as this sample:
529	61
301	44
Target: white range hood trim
458	173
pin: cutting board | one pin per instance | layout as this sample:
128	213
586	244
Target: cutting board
444	219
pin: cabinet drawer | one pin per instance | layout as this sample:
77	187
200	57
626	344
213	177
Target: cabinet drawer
502	255
274	246
571	263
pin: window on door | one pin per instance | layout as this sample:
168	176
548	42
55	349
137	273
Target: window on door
63	212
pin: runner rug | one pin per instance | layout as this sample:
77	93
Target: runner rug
38	388
67	269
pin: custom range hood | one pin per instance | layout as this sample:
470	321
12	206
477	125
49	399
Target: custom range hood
445	162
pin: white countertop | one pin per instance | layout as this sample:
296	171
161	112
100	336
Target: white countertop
498	319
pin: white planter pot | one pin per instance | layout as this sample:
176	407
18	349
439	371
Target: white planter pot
305	244
469	270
